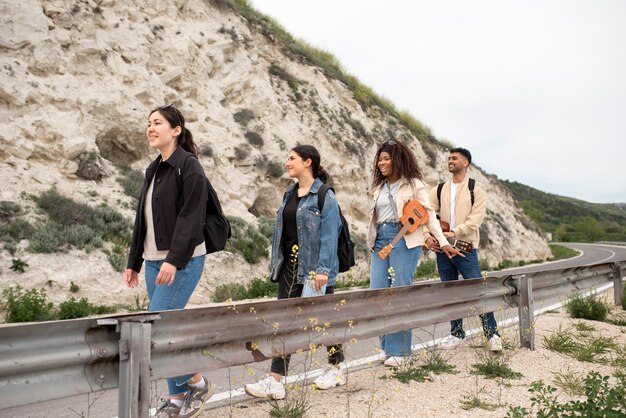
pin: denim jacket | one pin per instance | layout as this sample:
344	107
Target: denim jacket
317	236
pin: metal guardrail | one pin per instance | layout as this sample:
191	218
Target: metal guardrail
51	360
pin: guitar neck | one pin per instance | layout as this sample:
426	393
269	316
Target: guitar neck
400	234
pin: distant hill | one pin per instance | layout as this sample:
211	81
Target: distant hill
571	219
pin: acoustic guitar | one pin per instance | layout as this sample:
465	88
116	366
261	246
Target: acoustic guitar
463	246
413	215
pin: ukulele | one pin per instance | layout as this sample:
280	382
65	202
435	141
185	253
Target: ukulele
413	215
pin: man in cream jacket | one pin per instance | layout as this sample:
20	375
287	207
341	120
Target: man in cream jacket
465	214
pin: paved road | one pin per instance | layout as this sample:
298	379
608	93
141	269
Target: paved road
105	404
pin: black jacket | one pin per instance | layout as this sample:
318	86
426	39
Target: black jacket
178	216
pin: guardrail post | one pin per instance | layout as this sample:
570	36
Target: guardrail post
618	283
134	378
526	311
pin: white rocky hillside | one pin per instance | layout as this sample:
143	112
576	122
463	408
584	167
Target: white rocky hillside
78	79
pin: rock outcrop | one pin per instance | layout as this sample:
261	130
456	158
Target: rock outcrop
78	80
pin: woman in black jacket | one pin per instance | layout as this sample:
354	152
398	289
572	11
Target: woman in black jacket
168	236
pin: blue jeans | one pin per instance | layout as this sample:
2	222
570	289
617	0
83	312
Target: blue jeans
404	262
469	268
175	296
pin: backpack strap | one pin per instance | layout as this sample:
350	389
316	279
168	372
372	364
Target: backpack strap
439	188
321	195
471	185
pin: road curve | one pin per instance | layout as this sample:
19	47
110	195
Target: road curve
589	254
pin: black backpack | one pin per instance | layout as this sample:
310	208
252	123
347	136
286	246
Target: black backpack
345	246
470	185
216	228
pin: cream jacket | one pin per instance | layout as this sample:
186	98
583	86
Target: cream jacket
408	190
468	218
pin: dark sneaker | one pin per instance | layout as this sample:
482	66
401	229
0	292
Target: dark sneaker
195	400
168	409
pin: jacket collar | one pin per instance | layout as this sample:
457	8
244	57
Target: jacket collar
317	183
464	181
175	158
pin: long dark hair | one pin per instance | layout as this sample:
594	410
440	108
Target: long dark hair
403	162
175	118
307	152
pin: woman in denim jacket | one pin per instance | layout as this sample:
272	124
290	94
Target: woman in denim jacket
304	248
396	180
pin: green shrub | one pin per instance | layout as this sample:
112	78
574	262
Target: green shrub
293	83
54	237
11	247
28	306
261	288
275	170
229	291
560	252
247	240
74	288
15	230
426	270
105	221
71	309
47	239
207	151
244	116
18	265
254	139
601	399
242	151
591	307
8	210
117	261
82	237
266	227
131	181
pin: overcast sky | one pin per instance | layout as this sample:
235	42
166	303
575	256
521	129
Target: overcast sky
536	89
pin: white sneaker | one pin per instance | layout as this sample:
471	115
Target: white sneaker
266	388
495	343
449	342
331	377
395	361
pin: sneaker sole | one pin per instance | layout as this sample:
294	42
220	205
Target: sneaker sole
330	387
262	395
206	397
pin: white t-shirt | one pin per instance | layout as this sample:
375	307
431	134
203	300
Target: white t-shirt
386	210
454	188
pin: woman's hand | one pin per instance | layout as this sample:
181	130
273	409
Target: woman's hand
451	252
433	245
320	280
166	274
131	278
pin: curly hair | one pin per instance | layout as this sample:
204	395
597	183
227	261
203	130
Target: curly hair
403	162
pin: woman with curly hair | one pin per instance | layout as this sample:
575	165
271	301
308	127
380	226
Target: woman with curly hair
397	179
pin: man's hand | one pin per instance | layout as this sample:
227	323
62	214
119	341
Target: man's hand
166	274
450	234
433	245
451	252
